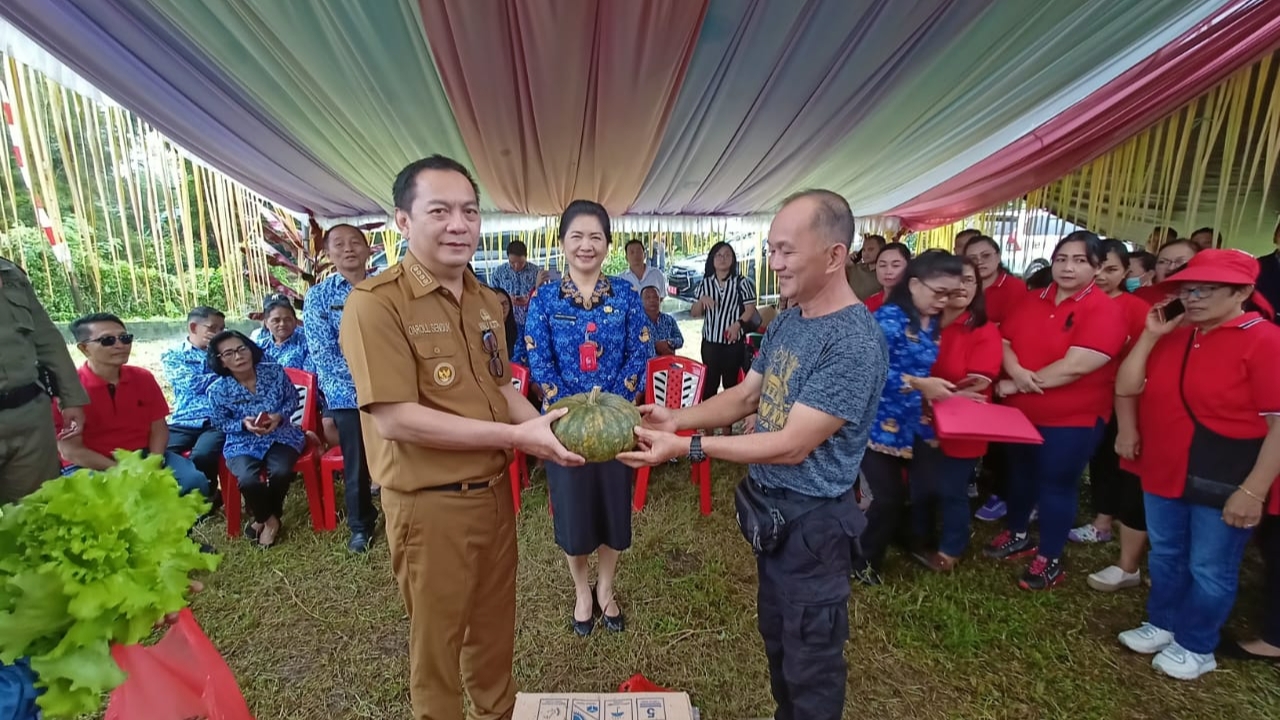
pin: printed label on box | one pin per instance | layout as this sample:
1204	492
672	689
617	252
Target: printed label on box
553	709
652	709
586	709
619	709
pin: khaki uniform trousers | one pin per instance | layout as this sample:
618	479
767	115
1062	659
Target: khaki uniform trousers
28	449
454	557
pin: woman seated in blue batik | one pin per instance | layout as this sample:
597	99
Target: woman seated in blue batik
284	342
589	331
253	404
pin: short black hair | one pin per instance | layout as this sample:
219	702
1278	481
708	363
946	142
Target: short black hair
832	216
978	303
1092	246
709	269
585	207
633	241
215	363
1117	247
968	234
878	238
1179	241
652	287
80	326
517	248
402	190
328	234
276	304
931	264
1145	259
899	248
204	312
1170	234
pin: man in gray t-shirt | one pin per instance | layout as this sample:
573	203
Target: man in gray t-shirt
814	389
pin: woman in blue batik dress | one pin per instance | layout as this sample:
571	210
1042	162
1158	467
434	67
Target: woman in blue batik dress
589	331
909	320
253	403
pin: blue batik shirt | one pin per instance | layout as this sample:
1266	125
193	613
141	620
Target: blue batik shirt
912	351
292	353
523	282
665	328
557	325
322	316
186	369
233	402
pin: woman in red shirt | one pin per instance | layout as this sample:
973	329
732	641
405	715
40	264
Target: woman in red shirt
1114	491
1060	350
1210	392
969	356
1001	289
891	265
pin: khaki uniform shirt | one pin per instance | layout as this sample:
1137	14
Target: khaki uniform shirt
409	340
28	337
862	278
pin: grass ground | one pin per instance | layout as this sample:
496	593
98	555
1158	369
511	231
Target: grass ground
315	633
312	632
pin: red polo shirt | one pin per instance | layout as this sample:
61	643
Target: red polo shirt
1041	332
875	302
1004	294
1232	384
120	421
965	351
1134	309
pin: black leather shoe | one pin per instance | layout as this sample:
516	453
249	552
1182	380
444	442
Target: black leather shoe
359	543
614	623
583	628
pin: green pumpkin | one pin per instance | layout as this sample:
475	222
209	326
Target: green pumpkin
598	425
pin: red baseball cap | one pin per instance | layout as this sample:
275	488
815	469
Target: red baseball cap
1226	267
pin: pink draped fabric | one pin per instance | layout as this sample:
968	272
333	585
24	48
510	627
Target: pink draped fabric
1139	98
566	99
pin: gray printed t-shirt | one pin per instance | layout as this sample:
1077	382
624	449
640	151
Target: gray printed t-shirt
836	364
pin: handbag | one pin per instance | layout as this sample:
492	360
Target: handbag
763	519
1216	465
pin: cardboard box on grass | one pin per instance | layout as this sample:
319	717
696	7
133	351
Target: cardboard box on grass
604	706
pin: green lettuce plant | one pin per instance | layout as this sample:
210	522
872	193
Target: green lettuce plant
90	560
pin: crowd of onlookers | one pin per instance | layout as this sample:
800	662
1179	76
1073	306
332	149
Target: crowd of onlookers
1153	369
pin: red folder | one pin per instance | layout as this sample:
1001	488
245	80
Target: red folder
960	418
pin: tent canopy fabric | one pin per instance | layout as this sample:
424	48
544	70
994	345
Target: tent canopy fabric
676	107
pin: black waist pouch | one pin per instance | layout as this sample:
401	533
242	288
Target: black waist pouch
764	516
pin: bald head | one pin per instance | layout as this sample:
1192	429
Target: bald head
830	216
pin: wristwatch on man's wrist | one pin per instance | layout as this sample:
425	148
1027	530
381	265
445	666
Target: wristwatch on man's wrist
695	449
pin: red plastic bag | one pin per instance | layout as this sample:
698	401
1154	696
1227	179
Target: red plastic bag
635	684
182	677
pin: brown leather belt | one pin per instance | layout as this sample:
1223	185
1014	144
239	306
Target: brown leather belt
465	486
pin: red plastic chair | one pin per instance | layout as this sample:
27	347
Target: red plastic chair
306	417
676	382
519	469
331	463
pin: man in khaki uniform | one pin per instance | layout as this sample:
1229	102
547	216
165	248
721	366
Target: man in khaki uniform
426	347
29	341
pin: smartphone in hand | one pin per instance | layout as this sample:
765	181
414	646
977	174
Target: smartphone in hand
263	419
1172	310
967	382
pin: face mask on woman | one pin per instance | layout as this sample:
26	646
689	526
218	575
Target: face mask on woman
1132	283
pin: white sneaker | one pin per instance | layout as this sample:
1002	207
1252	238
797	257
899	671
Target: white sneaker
1146	639
1180	663
1113	578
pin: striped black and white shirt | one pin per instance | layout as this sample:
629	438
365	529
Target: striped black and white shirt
729	296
